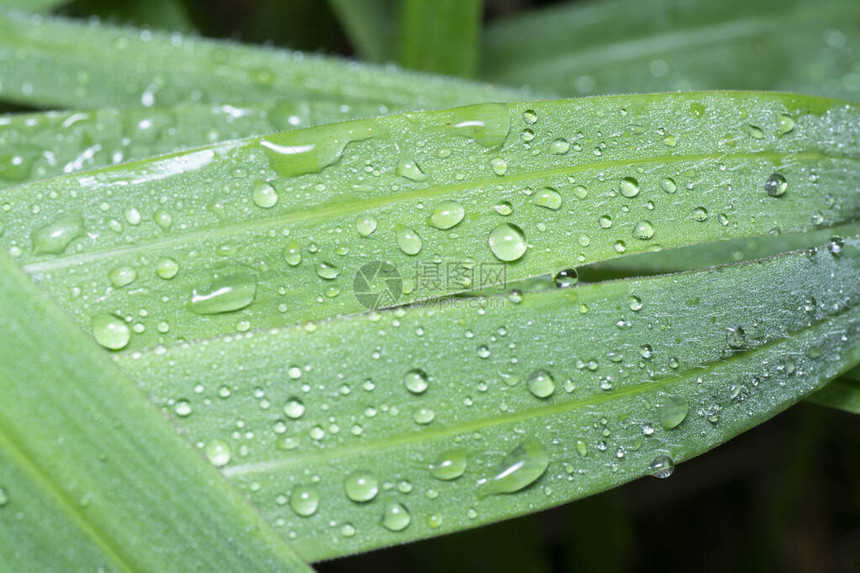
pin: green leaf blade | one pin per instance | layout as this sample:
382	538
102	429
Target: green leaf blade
440	36
93	476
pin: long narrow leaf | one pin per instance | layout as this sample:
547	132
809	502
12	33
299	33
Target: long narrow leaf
92	477
370	25
624	46
371	430
260	232
440	36
52	61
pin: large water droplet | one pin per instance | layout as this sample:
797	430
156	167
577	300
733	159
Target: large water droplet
293	253
224	294
449	465
218	453
365	225
294	408
541	384
53	239
305	499
297	153
361	486
507	242
643	230
548	198
520	468
488	124
111	331
395	517
416	381
166	268
265	196
122	276
775	185
327	271
629	187
566	278
672	409
447	214
411	170
661	467
408	240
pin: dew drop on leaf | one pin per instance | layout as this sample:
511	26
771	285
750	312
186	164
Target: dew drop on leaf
294	408
775	185
293	253
507	242
218	453
361	486
661	467
520	468
122	276
395	517
408	240
166	268
643	230
548	198
53	239
629	187
224	294
449	465
566	278
672	410
327	271
447	214
304	500
265	196
365	225
416	381
111	331
541	384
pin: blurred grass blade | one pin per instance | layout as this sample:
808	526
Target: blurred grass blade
440	36
170	15
39	145
32	5
92	477
624	46
842	394
376	429
369	25
256	233
53	61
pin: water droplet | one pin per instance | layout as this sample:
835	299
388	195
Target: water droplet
297	153
699	214
265	196
365	225
775	185
423	416
111	331
447	214
559	147
755	132
163	219
327	271
293	253
224	294
166	268
541	384
580	192
305	499
361	486
566	278
449	465
507	242
488	124
294	408
629	187
785	124
735	337
530	117
520	468
4	497
503	208
668	185
548	198
408	240
53	239
499	165
218	453
672	409
581	448
635	303
416	381
643	230
605	221
182	408
122	276
411	170
661	467
395	517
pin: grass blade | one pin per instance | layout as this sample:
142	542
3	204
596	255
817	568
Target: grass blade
57	62
842	394
440	36
286	233
92	476
334	430
369	25
39	145
624	46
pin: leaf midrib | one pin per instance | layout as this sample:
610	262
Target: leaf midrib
345	451
337	208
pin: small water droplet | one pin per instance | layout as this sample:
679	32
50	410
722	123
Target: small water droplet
507	242
581	448
423	416
111	331
566	278
218	453
449	465
548	198
408	240
629	187
182	408
755	132
411	170
661	467
361	486
293	253
559	147
224	294
4	497
447	214
294	408
503	208
735	337
305	499
265	196
488	124
395	517
699	214
775	185
785	124
672	410
499	165
520	468
166	268
327	271
530	117
668	185
365	225
416	381
643	230
541	384
122	276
